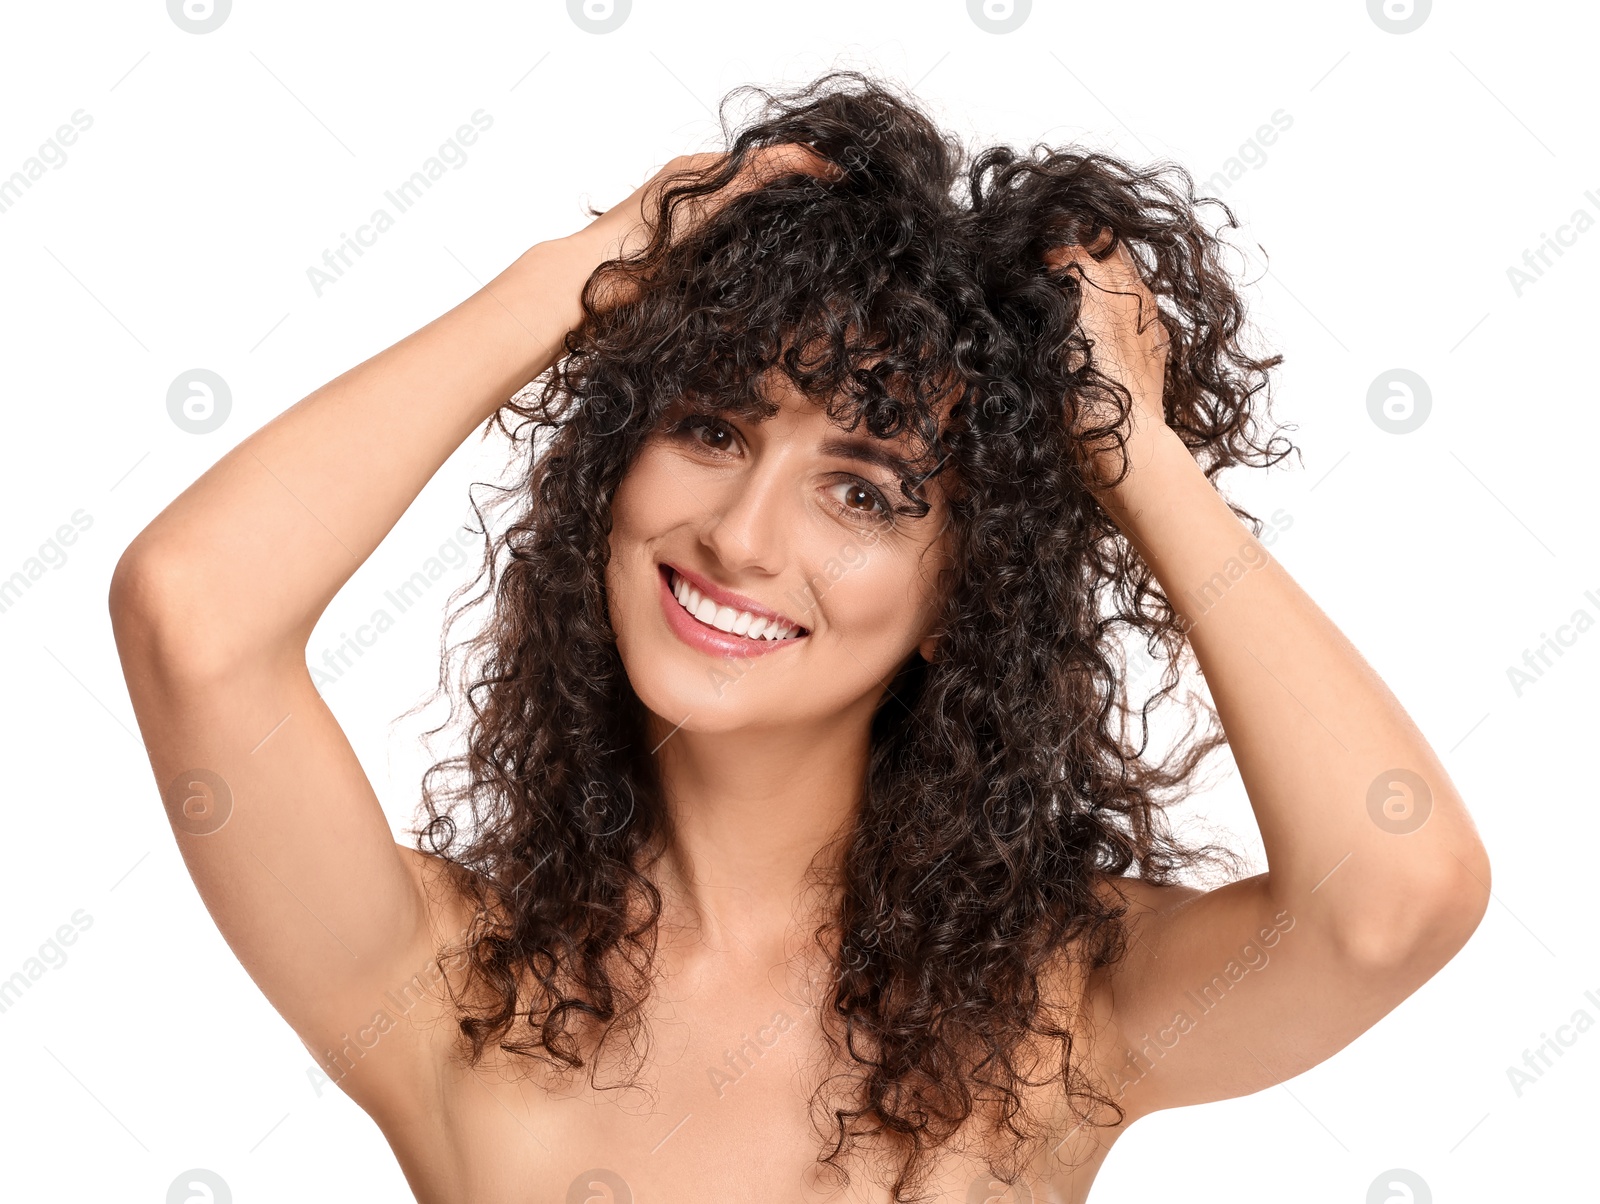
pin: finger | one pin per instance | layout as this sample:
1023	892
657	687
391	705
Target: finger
799	156
769	163
1117	283
761	167
1116	268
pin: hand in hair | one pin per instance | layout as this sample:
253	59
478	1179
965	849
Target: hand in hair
1127	343
700	185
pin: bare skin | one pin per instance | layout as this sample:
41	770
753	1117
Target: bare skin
214	602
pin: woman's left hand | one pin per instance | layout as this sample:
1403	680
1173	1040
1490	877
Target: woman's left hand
1129	344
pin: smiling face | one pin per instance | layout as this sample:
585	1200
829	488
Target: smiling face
762	573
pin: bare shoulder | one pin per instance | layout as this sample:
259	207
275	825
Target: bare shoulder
1109	1054
454	913
1142	897
444	887
390	1058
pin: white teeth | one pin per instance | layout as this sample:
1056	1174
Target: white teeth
726	618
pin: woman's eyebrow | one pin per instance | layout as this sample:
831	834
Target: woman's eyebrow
868	451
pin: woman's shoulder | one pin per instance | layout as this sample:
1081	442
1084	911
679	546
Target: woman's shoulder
1139	894
1136	903
1089	978
1081	973
444	886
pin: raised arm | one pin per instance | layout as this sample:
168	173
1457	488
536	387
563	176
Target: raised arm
1376	876
213	603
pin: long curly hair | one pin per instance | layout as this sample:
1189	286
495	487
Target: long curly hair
1005	776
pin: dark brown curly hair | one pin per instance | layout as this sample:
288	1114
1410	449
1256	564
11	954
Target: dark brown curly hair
1004	777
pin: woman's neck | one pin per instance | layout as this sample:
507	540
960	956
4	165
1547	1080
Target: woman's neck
749	812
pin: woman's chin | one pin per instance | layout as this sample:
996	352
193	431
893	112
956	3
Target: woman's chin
696	703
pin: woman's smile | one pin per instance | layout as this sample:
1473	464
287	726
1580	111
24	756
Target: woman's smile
719	622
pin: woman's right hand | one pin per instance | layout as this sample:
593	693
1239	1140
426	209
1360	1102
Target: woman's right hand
626	228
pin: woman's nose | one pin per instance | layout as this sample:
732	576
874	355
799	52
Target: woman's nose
747	520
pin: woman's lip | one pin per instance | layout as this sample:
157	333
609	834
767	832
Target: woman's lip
711	640
726	597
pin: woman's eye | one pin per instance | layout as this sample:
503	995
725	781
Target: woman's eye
861	500
708	432
858	498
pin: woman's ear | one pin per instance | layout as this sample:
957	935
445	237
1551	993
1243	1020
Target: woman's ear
929	646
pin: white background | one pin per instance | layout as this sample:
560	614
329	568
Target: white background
1416	171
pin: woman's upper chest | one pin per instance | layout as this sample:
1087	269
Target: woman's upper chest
723	1106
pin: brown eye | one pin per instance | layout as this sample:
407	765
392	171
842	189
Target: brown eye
858	497
715	435
859	500
708	432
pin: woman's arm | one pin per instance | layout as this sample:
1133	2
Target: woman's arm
212	605
1376	876
252	552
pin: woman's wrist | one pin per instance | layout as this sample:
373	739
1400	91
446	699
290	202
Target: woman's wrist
541	291
1159	464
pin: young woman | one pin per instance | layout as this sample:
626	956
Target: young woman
806	842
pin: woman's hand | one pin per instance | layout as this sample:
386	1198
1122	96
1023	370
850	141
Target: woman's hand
626	228
1129	344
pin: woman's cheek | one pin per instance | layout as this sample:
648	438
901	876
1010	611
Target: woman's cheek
881	601
629	548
